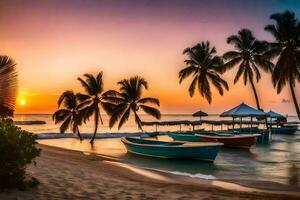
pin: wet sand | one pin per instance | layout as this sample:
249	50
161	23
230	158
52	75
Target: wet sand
66	174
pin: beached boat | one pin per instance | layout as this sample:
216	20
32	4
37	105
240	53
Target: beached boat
230	140
178	150
286	130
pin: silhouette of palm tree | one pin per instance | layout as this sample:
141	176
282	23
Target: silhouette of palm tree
130	100
248	57
94	99
205	68
70	116
286	49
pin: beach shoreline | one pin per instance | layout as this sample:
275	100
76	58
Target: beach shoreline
71	174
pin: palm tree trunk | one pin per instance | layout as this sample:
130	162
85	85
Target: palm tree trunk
295	99
255	94
96	124
79	135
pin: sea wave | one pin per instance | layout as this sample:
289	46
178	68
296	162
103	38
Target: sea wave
198	175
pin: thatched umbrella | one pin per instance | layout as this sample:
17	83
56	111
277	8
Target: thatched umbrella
200	114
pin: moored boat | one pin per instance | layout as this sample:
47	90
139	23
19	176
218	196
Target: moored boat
236	141
190	137
286	130
178	150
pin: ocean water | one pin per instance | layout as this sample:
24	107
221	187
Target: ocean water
278	161
130	126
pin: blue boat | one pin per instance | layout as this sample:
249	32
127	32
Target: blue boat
286	130
172	150
245	130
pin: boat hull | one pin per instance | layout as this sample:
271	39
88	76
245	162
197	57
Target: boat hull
173	151
245	130
184	137
235	141
285	130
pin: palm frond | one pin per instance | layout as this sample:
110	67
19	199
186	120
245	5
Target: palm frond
86	86
108	107
231	55
124	118
239	73
151	111
117	113
60	115
82	97
8	86
138	121
184	73
232	63
193	85
149	100
66	124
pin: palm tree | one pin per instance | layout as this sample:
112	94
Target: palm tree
205	68
248	56
70	116
130	100
94	99
286	50
8	86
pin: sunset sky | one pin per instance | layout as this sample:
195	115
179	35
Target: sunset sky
55	41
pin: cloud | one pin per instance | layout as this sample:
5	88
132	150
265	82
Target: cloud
285	101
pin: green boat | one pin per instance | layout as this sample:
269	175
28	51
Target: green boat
188	136
172	150
184	137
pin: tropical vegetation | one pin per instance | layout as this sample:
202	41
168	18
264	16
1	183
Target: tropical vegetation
285	49
70	116
8	86
94	99
249	57
129	100
17	146
17	149
205	67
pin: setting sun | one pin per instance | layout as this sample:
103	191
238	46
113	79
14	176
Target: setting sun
23	102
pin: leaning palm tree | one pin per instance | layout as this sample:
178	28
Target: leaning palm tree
130	100
8	86
204	67
248	56
286	50
94	99
70	116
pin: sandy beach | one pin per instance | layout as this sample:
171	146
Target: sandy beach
66	174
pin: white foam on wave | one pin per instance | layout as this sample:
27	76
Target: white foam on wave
198	175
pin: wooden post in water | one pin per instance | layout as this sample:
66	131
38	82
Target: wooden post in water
251	120
241	123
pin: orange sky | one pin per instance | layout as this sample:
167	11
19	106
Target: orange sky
54	42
